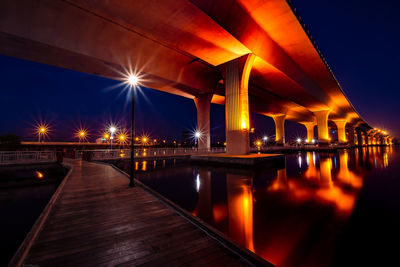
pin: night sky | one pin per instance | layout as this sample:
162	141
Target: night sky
359	41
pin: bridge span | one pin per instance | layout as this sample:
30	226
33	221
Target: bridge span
249	55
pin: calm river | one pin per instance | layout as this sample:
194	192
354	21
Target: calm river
322	209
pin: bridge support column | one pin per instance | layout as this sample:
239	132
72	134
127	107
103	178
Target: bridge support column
310	131
360	137
279	129
236	73
381	141
341	126
203	103
356	137
351	134
322	124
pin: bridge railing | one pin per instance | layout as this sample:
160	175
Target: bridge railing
148	152
25	157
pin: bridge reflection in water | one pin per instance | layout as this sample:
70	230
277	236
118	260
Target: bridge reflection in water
290	216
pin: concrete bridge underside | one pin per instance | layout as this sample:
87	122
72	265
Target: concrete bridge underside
249	55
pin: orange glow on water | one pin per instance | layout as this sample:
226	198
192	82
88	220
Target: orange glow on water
311	172
325	168
39	175
277	218
144	165
385	160
344	202
240	210
219	213
345	175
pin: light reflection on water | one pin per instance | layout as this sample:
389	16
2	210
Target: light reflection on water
291	216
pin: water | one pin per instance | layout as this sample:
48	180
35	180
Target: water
24	192
322	209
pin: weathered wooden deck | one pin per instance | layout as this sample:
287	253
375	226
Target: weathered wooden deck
97	220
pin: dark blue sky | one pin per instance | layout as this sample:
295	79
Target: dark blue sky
359	41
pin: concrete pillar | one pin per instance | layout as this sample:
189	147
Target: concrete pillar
359	137
236	73
351	137
341	127
203	103
310	130
279	129
322	124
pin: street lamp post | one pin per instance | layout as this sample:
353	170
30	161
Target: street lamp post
131	181
112	131
133	81
41	132
197	136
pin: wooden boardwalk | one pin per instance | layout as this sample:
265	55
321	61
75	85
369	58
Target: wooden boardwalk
98	220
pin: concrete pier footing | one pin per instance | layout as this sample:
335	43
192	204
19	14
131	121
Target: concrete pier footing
249	160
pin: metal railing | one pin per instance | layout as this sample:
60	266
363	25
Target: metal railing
149	152
25	157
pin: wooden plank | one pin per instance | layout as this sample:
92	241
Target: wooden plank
98	220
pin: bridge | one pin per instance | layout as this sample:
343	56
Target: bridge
249	55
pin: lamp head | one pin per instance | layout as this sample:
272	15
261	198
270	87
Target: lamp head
197	134
113	129
133	80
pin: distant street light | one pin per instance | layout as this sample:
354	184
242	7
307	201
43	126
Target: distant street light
197	134
144	140
133	81
81	134
112	130
41	131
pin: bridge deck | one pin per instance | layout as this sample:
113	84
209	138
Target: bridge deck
99	221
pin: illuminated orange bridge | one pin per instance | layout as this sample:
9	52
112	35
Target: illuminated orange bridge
249	55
